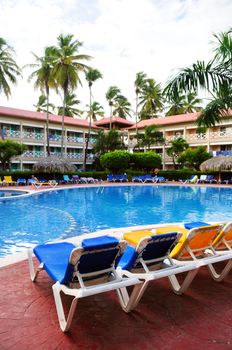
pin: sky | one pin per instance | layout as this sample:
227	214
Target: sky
123	37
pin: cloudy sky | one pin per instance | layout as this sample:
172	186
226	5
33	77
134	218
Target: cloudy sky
123	37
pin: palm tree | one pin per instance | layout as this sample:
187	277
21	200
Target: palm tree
67	68
178	146
139	83
9	70
214	76
151	99
151	136
91	76
111	94
185	103
43	81
122	107
41	105
71	102
95	110
107	141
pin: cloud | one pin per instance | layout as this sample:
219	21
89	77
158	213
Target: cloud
123	37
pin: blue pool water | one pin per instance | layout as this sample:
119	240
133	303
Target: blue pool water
65	213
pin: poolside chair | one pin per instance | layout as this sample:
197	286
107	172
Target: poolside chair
149	261
139	178
202	179
75	179
81	271
21	181
66	179
40	182
199	245
7	180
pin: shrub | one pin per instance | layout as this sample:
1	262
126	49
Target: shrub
147	160
115	161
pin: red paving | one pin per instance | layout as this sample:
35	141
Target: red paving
201	319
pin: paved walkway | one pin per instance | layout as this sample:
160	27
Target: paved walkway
201	319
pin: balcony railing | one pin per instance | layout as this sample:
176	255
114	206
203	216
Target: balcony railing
222	153
53	137
12	133
75	139
74	155
33	135
33	154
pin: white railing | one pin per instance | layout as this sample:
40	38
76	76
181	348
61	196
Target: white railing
12	133
74	155
33	154
75	139
33	135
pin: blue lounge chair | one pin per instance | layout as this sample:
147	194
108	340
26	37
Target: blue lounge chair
150	260
21	182
66	179
81	271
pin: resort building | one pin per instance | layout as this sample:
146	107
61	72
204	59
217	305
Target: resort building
217	140
29	128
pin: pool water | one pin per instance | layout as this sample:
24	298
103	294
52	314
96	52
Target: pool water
11	193
65	213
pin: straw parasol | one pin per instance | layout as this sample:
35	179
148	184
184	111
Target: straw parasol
53	165
218	163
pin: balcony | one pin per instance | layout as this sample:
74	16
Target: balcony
74	156
75	139
222	153
14	134
33	135
33	154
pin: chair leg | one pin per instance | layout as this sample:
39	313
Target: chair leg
180	289
33	272
64	323
218	277
129	303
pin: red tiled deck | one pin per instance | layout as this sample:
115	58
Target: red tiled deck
201	319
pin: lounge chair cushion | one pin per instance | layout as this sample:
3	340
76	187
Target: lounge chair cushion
134	237
190	225
99	260
55	257
127	260
99	242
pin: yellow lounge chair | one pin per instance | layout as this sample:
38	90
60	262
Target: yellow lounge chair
198	246
38	184
7	180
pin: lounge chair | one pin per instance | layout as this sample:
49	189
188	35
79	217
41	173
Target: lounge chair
193	179
21	181
75	179
199	245
149	261
81	271
139	178
193	250
211	179
7	180
202	179
39	182
66	179
159	179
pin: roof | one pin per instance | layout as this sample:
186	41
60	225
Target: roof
118	120
171	120
40	116
174	119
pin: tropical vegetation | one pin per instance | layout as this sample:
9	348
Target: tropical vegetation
177	146
8	150
193	157
115	161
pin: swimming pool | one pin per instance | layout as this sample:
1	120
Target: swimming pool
65	213
5	194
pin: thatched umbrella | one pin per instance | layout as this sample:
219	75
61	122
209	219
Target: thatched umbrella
54	165
218	163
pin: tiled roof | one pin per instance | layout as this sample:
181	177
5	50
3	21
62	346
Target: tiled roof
40	116
114	119
172	120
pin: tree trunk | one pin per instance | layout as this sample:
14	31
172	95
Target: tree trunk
136	116
47	127
110	116
62	132
2	132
